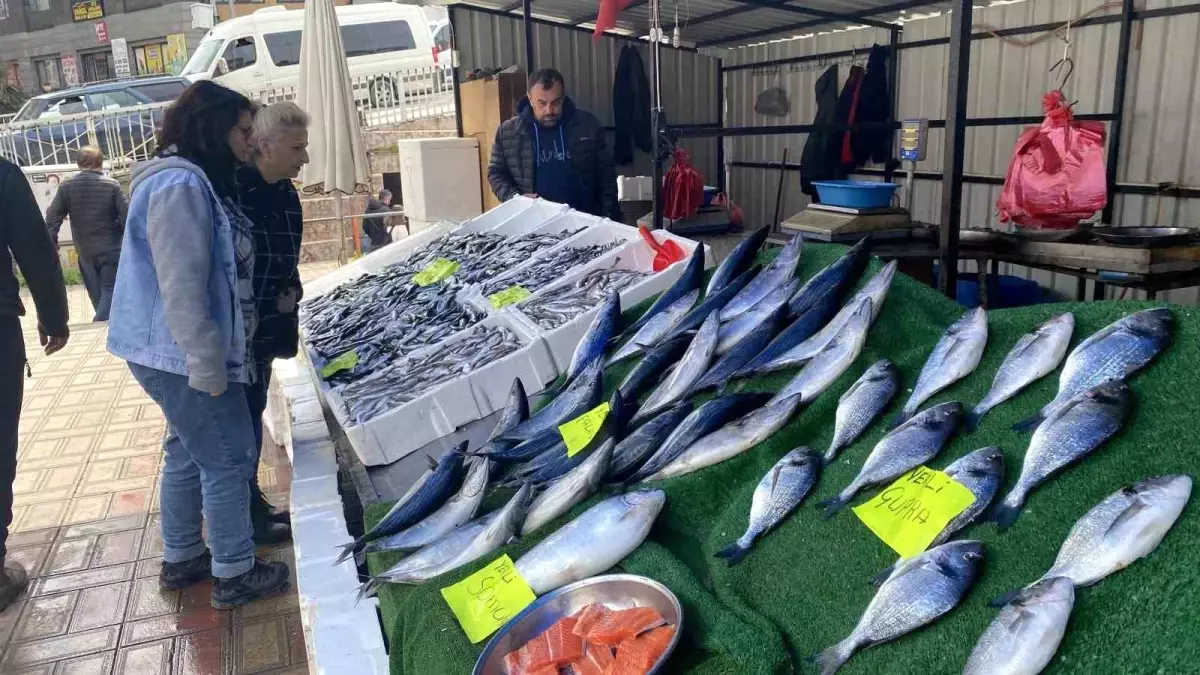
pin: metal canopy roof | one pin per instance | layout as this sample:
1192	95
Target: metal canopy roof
723	23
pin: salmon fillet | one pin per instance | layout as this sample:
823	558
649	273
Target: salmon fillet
588	616
514	662
565	646
636	656
595	660
616	627
537	653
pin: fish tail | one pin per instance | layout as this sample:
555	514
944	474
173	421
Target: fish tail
900	418
971	421
1004	598
830	454
733	553
1005	513
834	657
832	506
348	550
883	575
367	589
1030	423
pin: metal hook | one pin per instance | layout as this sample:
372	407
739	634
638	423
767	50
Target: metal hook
1068	71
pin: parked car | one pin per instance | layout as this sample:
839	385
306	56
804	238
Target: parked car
50	128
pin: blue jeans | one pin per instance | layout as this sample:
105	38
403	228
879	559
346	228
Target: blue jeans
206	474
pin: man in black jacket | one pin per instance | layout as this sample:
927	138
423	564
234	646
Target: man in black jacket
553	150
23	238
97	209
379	228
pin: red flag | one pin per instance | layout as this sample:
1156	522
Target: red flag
607	17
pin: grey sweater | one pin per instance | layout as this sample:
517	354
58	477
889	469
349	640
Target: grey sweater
97	209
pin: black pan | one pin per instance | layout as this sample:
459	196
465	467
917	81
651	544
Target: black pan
1146	237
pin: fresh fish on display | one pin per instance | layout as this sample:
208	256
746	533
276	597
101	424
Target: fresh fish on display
954	357
722	371
646	373
591	346
406	380
555	462
904	448
637	446
593	542
800	329
734	331
1034	356
709	417
652	332
981	472
547	269
920	591
1072	432
731	440
712	303
838	277
687	282
1023	638
829	364
774	275
563	303
574	487
516	410
739	260
1113	353
861	404
427	494
689	370
778	493
580	396
431	554
457	510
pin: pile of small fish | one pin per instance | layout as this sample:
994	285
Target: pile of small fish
404	381
547	269
559	305
482	255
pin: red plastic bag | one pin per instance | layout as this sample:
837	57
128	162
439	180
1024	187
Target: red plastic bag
683	188
1056	177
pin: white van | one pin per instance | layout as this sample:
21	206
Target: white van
262	50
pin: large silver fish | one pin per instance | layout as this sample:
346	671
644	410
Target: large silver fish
777	273
593	542
876	289
920	591
734	331
954	357
572	488
1113	353
1071	433
732	439
690	368
656	328
906	447
777	494
1034	356
829	364
1022	639
861	404
457	510
431	554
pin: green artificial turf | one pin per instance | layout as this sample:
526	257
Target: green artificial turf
804	585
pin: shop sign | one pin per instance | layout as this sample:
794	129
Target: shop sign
120	53
102	32
87	10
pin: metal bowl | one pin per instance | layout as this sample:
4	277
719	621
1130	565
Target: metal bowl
1043	234
1146	237
617	591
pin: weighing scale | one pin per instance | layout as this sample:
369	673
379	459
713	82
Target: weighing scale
824	222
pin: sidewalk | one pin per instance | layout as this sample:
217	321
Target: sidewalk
85	525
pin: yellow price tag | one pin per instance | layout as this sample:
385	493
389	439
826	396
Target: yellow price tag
508	296
339	363
580	431
486	600
435	271
910	513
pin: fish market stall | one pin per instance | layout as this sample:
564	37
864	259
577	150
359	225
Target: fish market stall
1056	426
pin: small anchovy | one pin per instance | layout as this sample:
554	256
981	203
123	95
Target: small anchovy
562	303
547	269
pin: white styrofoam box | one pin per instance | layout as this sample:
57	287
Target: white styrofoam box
634	255
635	188
439	411
377	260
536	211
439	178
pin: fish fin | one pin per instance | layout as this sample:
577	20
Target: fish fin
433	464
883	576
1029	424
1005	514
971	421
832	506
348	550
733	554
1005	598
834	657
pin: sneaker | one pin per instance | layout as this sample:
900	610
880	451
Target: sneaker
175	576
12	581
268	532
262	580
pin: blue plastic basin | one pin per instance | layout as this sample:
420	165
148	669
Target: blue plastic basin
856	194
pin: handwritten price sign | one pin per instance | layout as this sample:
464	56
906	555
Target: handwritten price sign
435	271
580	431
910	513
339	363
486	600
508	296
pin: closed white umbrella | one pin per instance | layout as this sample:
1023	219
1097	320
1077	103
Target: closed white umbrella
337	164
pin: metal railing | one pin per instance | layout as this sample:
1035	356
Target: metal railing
5	119
124	135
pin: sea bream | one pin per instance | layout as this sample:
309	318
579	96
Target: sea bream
653	331
1113	353
1024	636
920	591
1072	432
457	510
954	357
829	364
861	404
778	272
777	494
691	367
1034	356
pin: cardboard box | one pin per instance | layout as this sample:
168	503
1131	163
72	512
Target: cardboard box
485	104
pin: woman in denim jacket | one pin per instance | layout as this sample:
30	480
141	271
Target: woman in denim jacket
182	309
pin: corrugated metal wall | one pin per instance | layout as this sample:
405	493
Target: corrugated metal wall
689	80
1162	109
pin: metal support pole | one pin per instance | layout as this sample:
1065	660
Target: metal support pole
894	82
721	123
955	146
527	20
1118	108
458	121
656	130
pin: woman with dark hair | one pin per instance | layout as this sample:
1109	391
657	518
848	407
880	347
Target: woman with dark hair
182	311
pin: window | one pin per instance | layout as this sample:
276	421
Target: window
374	38
12	74
203	57
111	100
49	73
97	66
160	92
239	54
70	105
441	37
37	5
284	47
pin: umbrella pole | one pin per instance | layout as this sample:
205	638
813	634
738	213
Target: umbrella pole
341	229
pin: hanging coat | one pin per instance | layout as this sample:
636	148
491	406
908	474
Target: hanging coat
819	159
631	106
874	144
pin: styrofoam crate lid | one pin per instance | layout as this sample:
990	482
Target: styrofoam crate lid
520	209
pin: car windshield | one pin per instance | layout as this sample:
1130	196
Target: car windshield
32	108
203	59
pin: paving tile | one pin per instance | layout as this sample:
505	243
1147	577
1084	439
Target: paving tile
129	502
47	669
96	664
148	567
70	556
89	419
41	402
49	514
100	396
87	509
196	599
152	543
44	495
204	653
84	579
119	485
58	648
113	440
30	557
8	620
57	422
148	435
45	617
46	536
297	651
128	451
141	465
40	449
100	606
26	482
102	471
149	600
80	444
123	415
131	522
259	645
117	547
157	628
146	659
